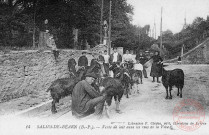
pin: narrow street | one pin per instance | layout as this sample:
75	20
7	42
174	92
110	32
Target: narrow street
47	47
151	102
149	105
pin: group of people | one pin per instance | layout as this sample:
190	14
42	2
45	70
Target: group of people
87	100
116	58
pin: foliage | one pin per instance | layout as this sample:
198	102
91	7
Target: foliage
17	24
191	36
63	16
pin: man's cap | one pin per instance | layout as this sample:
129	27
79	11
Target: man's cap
91	74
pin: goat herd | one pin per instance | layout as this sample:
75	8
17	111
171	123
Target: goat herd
117	86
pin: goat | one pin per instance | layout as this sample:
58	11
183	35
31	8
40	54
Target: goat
71	67
124	76
135	72
63	87
113	88
172	78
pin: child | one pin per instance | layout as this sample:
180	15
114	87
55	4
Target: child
138	68
51	43
137	73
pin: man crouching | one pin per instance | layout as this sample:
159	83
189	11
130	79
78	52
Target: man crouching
86	99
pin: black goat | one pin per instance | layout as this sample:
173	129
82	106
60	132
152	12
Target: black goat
135	75
172	78
113	88
63	87
124	76
71	67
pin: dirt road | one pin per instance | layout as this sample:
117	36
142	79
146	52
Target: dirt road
149	105
151	99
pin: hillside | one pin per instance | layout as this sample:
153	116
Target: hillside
197	55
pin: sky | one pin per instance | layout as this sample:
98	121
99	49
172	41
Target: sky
173	13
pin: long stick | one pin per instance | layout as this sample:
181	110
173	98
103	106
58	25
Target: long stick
101	22
161	32
110	28
155	30
34	23
182	51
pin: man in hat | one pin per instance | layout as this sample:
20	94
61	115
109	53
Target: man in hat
86	99
83	61
104	66
115	58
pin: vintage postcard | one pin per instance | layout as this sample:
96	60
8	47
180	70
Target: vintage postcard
104	67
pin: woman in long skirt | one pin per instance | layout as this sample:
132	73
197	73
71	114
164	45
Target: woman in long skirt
156	69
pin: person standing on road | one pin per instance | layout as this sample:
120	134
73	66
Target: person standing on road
142	59
156	69
115	58
51	43
127	57
106	61
106	57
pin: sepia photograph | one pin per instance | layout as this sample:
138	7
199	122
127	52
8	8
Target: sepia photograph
99	67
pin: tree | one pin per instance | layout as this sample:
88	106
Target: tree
13	20
121	17
64	16
167	35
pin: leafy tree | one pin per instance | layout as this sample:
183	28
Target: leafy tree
192	35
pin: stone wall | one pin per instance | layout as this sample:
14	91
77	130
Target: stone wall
197	55
29	72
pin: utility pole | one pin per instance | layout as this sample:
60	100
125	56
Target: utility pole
101	22
154	29
34	23
139	33
161	32
185	22
150	32
109	47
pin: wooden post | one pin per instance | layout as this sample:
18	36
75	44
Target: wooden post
43	37
161	33
154	29
101	22
34	23
109	47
